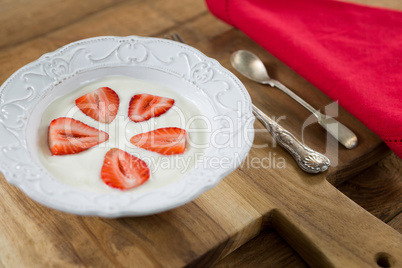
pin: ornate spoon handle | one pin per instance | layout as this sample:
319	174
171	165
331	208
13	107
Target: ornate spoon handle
308	160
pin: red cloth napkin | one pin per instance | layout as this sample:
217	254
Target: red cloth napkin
352	53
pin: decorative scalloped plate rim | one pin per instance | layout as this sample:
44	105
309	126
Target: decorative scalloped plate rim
20	94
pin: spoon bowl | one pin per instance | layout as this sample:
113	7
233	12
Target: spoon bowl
250	66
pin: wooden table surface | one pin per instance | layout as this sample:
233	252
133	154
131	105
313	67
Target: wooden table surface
370	175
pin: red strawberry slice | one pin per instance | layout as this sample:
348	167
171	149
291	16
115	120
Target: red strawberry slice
101	104
122	170
166	141
144	106
70	136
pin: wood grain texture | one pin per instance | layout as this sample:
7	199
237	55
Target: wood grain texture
378	189
268	249
45	237
396	222
22	20
317	220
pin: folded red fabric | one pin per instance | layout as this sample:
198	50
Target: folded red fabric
352	53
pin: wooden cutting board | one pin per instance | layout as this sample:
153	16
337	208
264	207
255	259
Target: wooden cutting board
319	222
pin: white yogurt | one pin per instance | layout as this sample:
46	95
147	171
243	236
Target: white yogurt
82	170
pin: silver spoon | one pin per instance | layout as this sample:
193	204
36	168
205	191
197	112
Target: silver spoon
253	68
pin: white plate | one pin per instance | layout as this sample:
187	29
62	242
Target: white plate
23	97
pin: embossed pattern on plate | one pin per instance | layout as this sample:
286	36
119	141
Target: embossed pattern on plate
29	86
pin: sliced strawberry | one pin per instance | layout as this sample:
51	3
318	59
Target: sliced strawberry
101	104
70	136
122	170
144	106
166	141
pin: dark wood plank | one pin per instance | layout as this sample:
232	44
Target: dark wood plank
143	18
396	222
378	189
22	20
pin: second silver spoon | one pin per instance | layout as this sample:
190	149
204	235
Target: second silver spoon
253	68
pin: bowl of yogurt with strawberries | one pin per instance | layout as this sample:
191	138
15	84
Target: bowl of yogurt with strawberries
122	126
